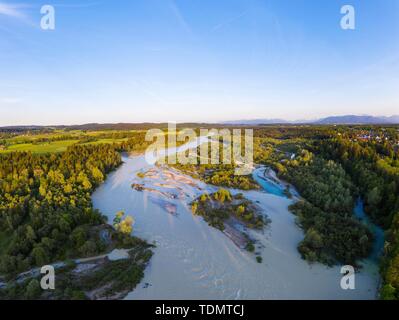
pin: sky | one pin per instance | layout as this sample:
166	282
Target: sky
196	60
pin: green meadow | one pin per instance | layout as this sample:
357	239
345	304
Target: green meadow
45	147
58	141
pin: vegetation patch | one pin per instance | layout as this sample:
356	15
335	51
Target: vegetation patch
219	175
218	207
332	233
96	277
227	212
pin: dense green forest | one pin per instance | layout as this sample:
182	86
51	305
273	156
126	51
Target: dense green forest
326	214
45	201
374	168
46	215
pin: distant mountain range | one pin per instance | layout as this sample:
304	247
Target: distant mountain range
351	119
255	122
346	119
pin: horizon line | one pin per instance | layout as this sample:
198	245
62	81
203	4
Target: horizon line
237	121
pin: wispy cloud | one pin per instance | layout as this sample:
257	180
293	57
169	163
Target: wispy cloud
179	16
13	10
9	100
230	21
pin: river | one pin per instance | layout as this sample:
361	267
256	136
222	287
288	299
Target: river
378	232
195	261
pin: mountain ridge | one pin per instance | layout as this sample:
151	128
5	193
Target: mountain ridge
344	119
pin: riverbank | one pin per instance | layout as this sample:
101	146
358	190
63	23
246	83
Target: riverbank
108	276
193	261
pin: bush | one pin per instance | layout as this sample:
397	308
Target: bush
250	247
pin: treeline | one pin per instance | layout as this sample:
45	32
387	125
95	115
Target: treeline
332	234
222	175
45	205
81	137
285	132
374	167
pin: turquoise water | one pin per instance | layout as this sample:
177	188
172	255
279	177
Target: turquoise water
268	185
378	232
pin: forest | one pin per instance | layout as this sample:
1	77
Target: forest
44	201
374	168
333	234
332	166
46	213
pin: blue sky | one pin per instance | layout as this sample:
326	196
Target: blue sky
196	60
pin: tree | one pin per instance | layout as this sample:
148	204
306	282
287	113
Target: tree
97	175
33	290
222	195
313	239
42	190
88	248
84	180
194	207
240	210
388	292
392	275
280	168
374	197
118	218
39	255
126	225
30	234
68	188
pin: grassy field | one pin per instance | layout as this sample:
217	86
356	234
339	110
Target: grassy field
26	138
56	146
59	140
53	147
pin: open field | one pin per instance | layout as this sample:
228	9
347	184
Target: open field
59	140
56	146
